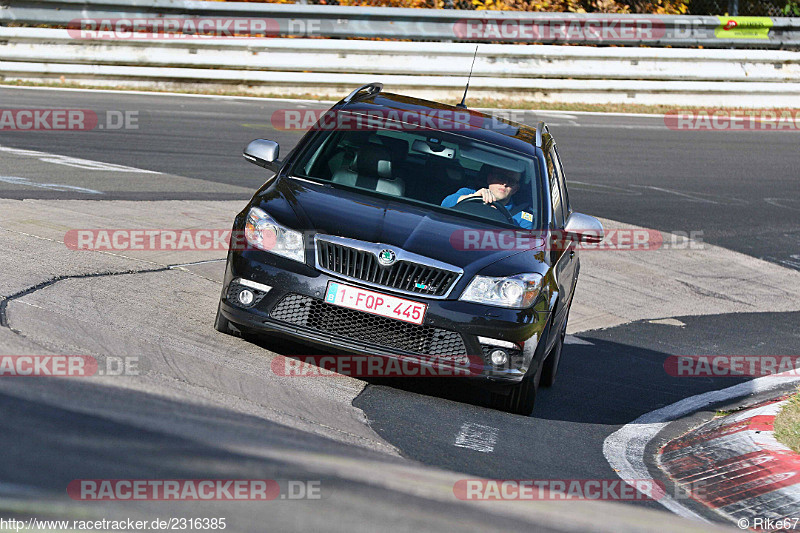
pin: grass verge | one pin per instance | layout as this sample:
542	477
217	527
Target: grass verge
787	424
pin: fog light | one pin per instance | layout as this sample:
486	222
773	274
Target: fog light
246	297
499	357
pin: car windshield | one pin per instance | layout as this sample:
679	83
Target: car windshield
436	168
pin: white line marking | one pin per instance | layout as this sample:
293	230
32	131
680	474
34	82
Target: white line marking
568	113
477	437
597	188
14	180
571	339
198	262
677	193
86	164
668	322
778	202
624	449
610	126
794	262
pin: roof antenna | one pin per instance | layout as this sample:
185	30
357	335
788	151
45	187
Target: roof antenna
462	104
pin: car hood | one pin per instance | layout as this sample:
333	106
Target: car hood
456	240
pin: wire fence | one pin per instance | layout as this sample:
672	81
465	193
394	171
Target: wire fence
751	8
754	8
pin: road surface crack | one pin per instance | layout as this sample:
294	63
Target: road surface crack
52	281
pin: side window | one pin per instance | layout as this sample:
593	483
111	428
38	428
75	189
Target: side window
562	180
555	189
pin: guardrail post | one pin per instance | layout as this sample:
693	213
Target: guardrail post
733	7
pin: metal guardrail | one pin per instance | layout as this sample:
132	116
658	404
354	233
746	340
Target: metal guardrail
435	24
671	76
249	56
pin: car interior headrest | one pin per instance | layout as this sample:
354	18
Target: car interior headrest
374	161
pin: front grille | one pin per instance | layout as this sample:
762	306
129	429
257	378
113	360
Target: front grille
406	276
368	328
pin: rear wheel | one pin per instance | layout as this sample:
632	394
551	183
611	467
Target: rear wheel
550	365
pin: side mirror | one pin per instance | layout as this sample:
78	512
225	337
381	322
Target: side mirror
263	153
584	228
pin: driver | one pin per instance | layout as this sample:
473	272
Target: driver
502	184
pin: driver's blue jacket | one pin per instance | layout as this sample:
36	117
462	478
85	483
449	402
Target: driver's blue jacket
523	219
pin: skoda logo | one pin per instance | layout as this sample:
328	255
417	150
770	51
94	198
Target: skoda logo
387	257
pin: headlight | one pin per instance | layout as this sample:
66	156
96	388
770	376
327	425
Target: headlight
262	232
516	292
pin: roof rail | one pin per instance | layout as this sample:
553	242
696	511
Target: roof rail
371	88
541	128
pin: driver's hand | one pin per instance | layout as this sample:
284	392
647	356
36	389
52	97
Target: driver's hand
486	194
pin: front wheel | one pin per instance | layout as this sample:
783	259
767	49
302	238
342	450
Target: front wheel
550	365
222	324
520	400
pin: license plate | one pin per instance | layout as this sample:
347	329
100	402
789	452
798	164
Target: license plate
375	303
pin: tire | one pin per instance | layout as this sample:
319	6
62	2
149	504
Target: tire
520	400
550	365
222	324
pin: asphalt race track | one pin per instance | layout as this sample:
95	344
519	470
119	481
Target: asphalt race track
385	452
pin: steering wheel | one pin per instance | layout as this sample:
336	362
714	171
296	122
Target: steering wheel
475	206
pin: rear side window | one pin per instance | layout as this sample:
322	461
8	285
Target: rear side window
555	188
562	180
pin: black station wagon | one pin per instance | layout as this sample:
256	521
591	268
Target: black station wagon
403	228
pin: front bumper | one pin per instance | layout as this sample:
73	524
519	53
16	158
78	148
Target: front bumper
294	308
